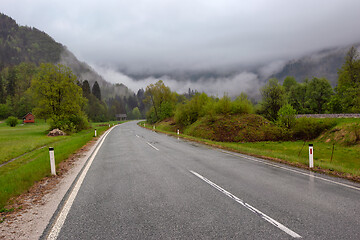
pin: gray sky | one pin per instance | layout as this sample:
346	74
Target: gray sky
161	36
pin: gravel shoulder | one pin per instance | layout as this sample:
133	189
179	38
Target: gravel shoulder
34	209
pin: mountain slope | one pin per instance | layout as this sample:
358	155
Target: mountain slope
324	63
25	44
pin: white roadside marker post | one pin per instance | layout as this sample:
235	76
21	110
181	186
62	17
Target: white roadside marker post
95	132
52	161
154	127
178	132
311	156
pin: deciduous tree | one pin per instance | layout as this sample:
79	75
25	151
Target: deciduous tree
58	97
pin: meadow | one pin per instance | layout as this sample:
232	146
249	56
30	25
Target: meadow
28	144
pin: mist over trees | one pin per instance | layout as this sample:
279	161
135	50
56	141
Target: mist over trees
278	104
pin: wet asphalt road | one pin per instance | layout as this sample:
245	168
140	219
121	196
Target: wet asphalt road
145	185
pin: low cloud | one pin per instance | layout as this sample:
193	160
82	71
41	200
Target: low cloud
246	82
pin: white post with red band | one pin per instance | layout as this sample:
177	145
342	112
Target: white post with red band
52	161
311	156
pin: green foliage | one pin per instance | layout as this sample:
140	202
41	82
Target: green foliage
297	97
318	95
58	97
286	116
11	121
190	111
289	82
347	98
161	101
242	105
223	106
136	113
25	44
273	98
310	128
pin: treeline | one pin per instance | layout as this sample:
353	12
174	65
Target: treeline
17	97
278	100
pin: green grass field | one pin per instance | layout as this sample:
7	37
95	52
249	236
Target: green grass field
19	175
345	159
15	141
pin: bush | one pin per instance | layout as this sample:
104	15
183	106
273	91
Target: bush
286	116
242	105
11	121
310	128
74	123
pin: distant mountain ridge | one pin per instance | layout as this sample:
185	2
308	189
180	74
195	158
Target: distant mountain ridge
26	44
324	63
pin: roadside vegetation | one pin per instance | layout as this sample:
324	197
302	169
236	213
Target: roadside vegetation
269	127
336	150
29	145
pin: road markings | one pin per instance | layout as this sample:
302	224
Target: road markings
310	174
54	233
249	207
152	146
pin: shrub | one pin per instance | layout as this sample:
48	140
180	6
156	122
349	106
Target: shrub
286	116
11	121
310	128
242	105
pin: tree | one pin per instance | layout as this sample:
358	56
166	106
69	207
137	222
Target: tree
297	97
286	116
2	91
347	97
161	100
273	98
11	82
136	113
86	89
318	95
289	82
58	97
96	90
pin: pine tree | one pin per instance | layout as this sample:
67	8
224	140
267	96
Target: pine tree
96	90
86	89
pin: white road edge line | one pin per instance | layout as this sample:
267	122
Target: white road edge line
152	146
251	208
291	170
54	233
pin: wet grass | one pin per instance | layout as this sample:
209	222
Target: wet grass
343	159
19	175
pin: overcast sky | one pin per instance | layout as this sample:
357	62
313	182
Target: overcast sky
155	36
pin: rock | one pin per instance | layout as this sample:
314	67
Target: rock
56	132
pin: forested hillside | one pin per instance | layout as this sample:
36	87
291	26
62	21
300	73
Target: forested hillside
25	44
24	49
321	64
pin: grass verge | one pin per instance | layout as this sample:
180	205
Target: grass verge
342	161
18	176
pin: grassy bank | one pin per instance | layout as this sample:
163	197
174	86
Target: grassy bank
331	155
19	175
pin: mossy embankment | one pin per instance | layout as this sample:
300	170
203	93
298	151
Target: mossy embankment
336	141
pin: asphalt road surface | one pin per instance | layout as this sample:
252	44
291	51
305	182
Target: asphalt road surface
145	185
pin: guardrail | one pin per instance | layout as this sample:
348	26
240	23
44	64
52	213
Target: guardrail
340	115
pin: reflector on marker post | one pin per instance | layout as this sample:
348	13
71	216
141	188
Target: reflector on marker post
52	161
311	156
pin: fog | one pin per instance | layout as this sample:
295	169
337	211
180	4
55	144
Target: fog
239	42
